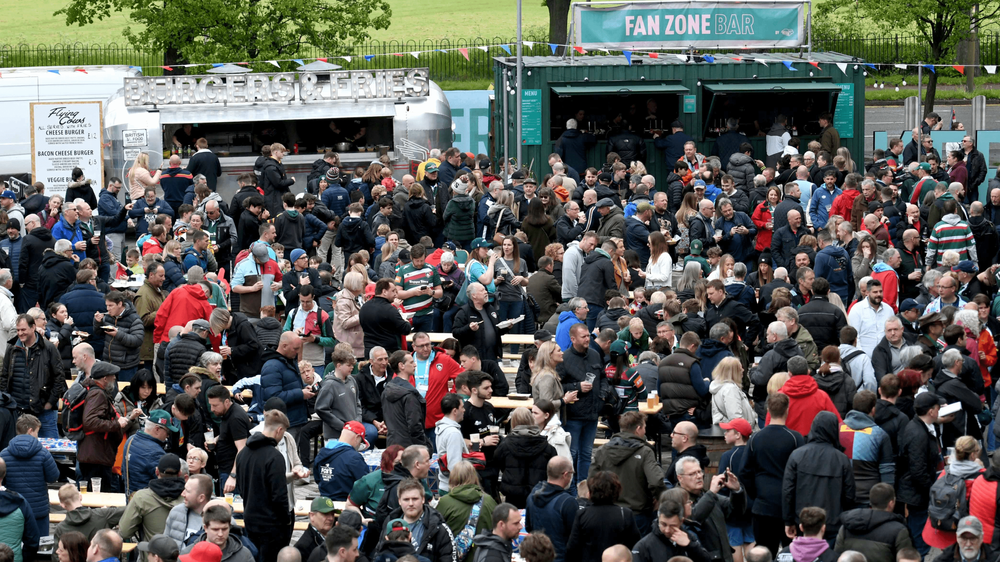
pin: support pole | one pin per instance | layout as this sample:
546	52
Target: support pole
517	137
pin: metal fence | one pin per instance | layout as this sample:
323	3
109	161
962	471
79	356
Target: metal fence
441	56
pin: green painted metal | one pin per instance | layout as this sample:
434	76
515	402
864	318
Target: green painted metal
612	89
771	86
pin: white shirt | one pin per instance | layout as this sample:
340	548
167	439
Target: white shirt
661	273
869	323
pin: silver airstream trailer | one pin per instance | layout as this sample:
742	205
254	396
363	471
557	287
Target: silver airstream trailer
359	114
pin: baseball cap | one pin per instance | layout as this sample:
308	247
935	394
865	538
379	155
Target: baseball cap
203	551
698	183
606	202
357	428
296	254
697	246
322	505
969	524
518	175
485	164
397	525
169	463
966	266
874	205
924	166
619	347
404	255
351	519
260	253
430	168
8	194
164	420
543	335
200	325
908	304
160	545
739	424
925	401
480	243
604	176
449	247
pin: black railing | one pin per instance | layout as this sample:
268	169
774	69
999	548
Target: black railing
443	58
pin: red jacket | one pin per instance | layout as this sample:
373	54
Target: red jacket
843	203
983	504
443	369
182	305
943	539
805	400
890	287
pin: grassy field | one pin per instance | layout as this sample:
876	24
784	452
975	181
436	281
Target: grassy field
32	22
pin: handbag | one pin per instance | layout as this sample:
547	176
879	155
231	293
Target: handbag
476	459
528	299
497	237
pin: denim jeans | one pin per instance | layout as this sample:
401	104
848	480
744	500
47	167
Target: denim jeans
581	447
592	315
916	521
508	310
423	323
371	434
125	375
50	427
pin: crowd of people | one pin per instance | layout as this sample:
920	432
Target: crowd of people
835	324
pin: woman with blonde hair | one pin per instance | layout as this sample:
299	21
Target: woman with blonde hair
139	177
545	383
964	464
347	309
688	209
556	251
848	161
637	168
728	400
465	492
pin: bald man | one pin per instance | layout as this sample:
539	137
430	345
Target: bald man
787	237
175	181
551	508
616	553
279	377
684	443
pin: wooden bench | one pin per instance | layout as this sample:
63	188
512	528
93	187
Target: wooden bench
299	525
600	442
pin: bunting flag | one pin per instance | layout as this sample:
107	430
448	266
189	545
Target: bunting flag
930	67
528	44
842	66
244	63
369	58
83	70
484	48
709	58
217	64
299	62
322	59
653	55
580	50
465	52
901	66
274	62
348	59
870	65
416	54
628	57
506	48
163	67
959	68
397	54
682	58
788	65
991	68
816	64
553	46
738	59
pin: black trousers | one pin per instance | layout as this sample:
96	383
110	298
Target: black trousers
770	532
304	440
269	542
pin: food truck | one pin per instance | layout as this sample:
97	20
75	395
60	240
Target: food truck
359	114
651	93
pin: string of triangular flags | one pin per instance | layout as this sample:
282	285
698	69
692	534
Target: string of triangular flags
844	67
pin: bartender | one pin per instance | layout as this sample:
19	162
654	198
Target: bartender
186	135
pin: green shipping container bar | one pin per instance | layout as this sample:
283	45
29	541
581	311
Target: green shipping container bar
598	90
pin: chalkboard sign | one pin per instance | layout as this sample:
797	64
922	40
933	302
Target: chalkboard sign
843	115
531	117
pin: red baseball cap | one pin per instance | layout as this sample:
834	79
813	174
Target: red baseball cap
356	427
739	424
203	551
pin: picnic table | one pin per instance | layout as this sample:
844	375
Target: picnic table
508	403
506	339
58	446
90	499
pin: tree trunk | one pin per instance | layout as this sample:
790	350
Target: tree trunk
558	16
172	58
931	93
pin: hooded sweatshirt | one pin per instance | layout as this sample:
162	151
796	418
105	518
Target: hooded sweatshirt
635	463
839	386
492	548
522	457
336	468
819	474
29	468
17	526
952	233
551	509
808	549
148	509
448	441
337	403
805	400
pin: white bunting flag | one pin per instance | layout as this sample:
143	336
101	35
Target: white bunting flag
348	59
484	48
842	66
901	66
528	44
275	63
991	68
682	58
416	54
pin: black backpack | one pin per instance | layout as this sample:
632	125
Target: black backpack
948	502
846	361
72	414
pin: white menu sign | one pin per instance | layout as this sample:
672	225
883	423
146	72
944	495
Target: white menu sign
64	136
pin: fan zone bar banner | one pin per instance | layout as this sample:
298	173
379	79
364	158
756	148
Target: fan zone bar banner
679	25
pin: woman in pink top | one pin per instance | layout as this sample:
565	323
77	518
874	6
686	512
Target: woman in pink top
139	177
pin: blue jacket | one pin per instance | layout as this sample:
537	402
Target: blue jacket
280	377
82	302
742	293
174	272
834	264
189	195
193	257
336	199
870	450
142	454
710	354
29	468
637	238
337	467
819	205
108	206
357	185
142	220
566	321
13	248
17	526
315	229
672	146
552	510
63	231
739	246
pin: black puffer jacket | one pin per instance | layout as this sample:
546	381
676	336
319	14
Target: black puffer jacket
596	528
275	183
404	410
122	349
774	361
746	322
819	474
674	375
33	247
419	219
596	277
573	371
183	354
878	534
268	332
673	186
59	275
245	360
522	458
655	547
47	381
629	147
743	170
823	320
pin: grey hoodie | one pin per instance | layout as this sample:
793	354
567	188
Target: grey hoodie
234	550
448	441
336	404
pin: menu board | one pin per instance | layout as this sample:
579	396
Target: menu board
843	115
66	135
531	117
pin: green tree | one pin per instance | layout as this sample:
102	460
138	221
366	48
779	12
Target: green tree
235	31
942	24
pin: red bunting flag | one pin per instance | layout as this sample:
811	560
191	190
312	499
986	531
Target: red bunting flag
465	52
167	68
322	59
816	64
83	70
580	50
397	54
960	68
738	59
654	55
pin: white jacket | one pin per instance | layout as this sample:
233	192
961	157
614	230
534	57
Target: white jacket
8	318
729	403
558	437
661	273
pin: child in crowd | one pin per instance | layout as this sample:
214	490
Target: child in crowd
132	260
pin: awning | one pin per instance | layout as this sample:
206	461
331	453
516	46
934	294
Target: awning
618	89
771	87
